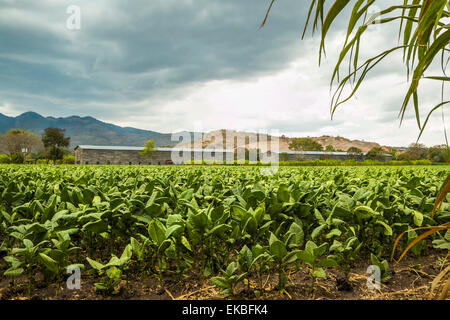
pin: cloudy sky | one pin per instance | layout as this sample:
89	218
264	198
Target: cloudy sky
171	65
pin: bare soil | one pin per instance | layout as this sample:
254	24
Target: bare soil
410	280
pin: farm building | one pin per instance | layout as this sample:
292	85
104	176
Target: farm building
86	154
323	155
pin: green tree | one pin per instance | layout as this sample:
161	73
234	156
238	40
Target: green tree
19	143
393	153
440	153
55	142
355	153
284	156
148	149
305	144
376	153
329	148
39	154
416	151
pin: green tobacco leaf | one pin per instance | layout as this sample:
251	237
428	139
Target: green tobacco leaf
283	193
187	194
174	230
418	218
12	273
320	250
94	264
51	264
220	282
298	233
327	262
278	249
127	253
319	273
185	243
306	257
333	233
387	229
317	231
98	226
157	232
441	244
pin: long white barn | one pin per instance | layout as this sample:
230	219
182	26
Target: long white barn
88	154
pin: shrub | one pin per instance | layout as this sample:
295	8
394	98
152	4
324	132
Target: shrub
17	158
376	153
422	162
70	159
5	158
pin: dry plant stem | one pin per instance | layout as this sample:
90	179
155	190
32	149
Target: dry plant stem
406	290
194	292
445	291
170	295
437	280
267	279
287	293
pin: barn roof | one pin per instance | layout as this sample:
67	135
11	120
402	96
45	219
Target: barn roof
313	152
323	153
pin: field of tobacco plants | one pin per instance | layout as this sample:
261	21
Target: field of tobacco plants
199	232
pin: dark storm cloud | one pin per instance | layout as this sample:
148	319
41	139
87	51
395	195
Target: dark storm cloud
154	65
128	51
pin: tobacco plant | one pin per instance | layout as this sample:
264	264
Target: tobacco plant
229	280
195	221
313	257
111	272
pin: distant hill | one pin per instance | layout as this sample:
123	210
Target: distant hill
85	130
212	140
344	143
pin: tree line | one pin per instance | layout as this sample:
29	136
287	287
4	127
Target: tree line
415	151
22	146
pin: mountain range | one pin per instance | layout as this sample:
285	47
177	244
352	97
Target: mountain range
90	131
85	130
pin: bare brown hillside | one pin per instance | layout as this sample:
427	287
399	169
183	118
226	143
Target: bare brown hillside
249	140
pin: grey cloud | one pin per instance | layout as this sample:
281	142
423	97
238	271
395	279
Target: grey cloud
131	55
127	52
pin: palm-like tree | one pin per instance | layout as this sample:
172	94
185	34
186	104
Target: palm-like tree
424	38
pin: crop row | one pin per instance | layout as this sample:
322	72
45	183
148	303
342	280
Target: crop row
229	224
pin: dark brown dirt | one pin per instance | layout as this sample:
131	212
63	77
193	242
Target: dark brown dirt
410	279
